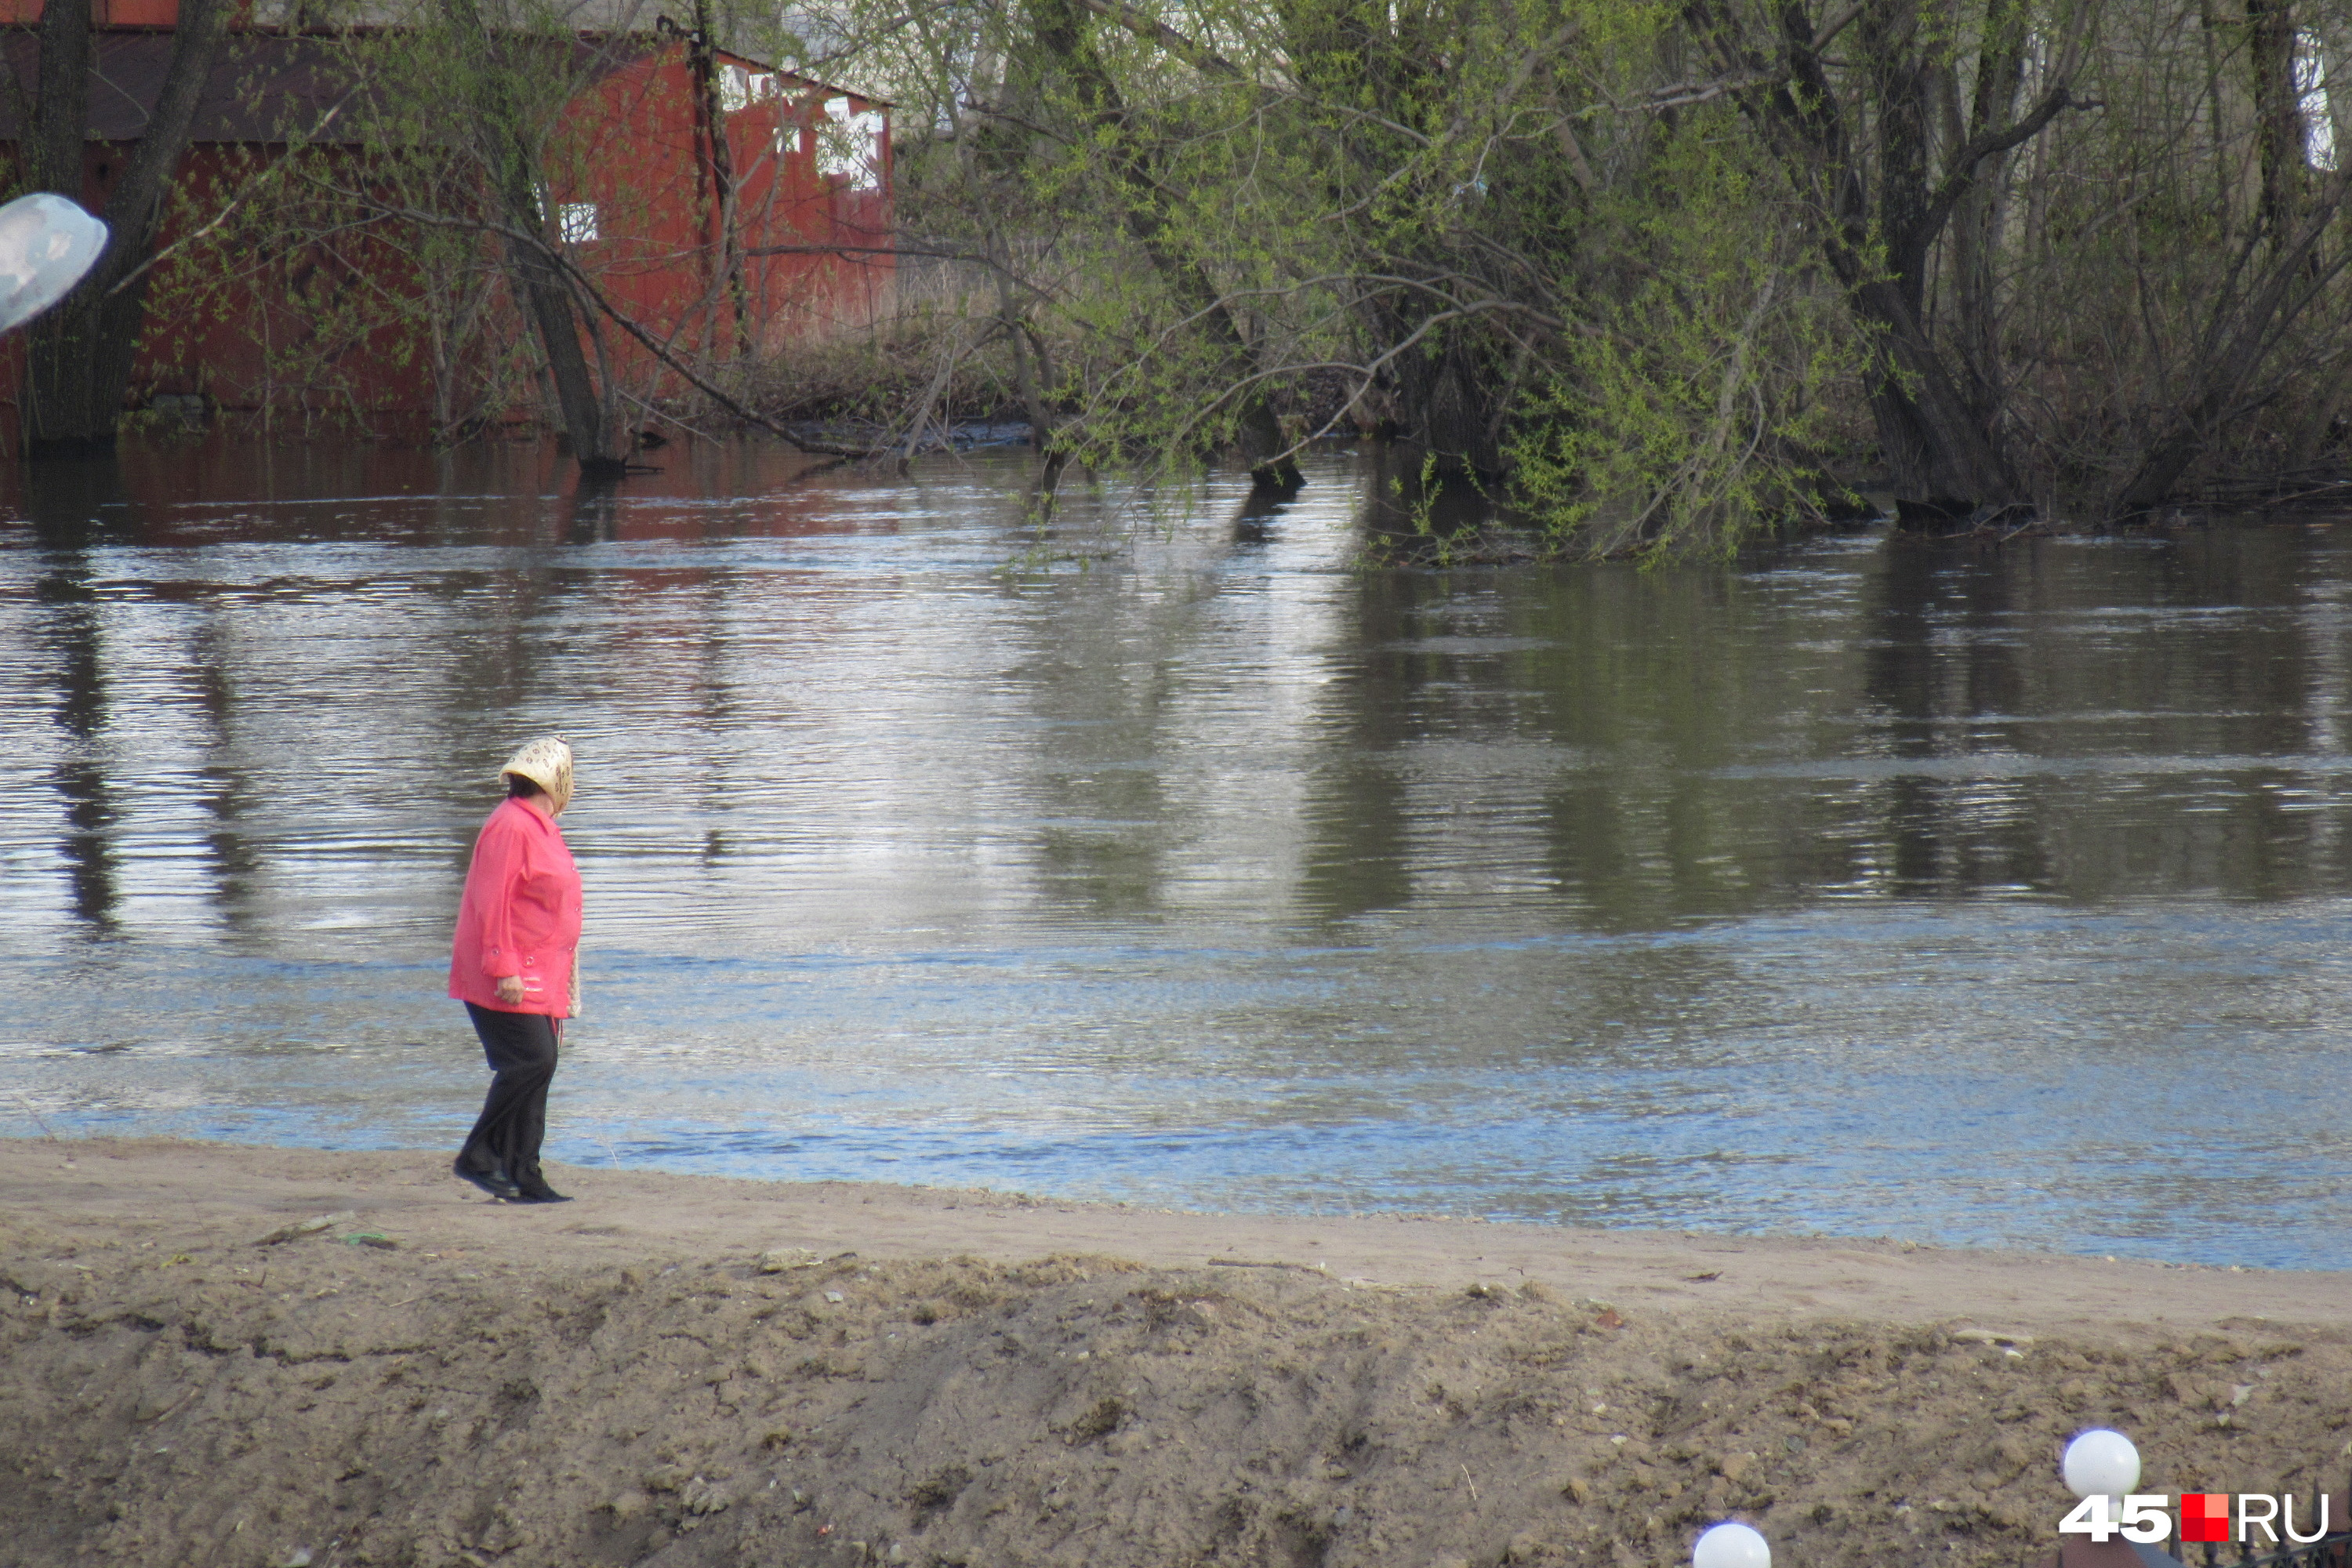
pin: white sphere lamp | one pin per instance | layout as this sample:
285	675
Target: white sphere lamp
1731	1546
2100	1462
46	243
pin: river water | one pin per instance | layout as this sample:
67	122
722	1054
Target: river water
1988	897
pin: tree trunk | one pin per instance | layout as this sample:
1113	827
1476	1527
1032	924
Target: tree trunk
2209	27
713	110
1940	443
1979	216
61	116
2241	333
1026	381
1449	397
79	357
505	145
1936	444
2278	113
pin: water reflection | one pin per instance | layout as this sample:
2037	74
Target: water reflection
1160	850
65	505
1925	696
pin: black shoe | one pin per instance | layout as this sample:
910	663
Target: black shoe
493	1181
531	1187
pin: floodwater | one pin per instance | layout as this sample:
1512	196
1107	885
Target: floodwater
1969	897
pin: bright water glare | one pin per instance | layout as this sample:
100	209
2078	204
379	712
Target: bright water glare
1985	897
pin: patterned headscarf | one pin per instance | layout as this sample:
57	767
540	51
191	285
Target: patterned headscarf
547	762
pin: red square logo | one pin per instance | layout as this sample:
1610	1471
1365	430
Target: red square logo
2205	1516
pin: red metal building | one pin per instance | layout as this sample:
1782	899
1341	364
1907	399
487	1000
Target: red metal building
724	205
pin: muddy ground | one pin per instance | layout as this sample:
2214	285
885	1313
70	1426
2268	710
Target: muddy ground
679	1370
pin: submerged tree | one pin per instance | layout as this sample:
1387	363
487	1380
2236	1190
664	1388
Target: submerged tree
1662	274
1246	223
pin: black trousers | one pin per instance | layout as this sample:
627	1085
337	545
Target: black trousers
521	1047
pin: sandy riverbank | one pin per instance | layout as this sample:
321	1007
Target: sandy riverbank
685	1370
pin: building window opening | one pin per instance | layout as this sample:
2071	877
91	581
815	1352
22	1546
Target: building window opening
849	145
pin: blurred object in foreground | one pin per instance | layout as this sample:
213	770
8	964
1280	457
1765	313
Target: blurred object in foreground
46	244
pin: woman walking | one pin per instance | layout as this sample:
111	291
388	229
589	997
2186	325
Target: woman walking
516	967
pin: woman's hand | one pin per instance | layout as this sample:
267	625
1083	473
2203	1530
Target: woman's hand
510	990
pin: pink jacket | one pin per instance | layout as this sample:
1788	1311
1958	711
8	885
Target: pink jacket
521	915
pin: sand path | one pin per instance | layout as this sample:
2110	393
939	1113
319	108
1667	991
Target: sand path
231	1191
